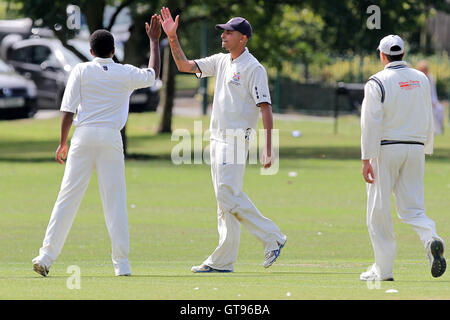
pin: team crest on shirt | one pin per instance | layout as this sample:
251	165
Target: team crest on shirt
236	78
409	85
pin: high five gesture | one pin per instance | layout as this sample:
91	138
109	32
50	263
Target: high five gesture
154	29
154	33
170	28
169	25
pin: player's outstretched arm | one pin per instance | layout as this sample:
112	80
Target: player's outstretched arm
154	33
170	28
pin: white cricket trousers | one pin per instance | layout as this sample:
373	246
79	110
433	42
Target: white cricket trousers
234	207
91	148
400	169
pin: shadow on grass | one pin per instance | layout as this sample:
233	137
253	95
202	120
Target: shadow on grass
43	151
343	153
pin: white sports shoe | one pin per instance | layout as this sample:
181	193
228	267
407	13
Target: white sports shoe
38	267
435	253
122	268
373	274
203	268
271	256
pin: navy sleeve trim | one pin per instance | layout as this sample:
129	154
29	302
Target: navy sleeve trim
201	73
380	84
259	103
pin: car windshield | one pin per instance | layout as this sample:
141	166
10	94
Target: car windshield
70	57
4	67
82	46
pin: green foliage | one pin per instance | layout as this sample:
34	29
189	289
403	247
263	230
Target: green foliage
347	70
350	69
10	10
346	31
51	13
294	36
299	31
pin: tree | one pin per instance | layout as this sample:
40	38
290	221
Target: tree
346	31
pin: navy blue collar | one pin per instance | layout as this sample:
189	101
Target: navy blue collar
396	65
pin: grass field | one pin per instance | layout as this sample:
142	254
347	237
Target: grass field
173	224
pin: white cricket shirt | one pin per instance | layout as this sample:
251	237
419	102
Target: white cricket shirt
99	92
241	84
396	106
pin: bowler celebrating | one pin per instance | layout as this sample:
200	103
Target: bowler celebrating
241	90
98	93
396	133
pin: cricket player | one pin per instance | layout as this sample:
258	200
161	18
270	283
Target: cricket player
98	93
241	90
396	133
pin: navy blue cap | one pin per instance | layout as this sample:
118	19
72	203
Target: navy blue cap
237	24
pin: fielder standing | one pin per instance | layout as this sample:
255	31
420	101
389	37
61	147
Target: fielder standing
98	93
396	133
241	90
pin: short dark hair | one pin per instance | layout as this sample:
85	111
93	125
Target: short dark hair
102	43
397	57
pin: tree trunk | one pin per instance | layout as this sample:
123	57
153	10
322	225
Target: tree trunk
94	14
134	55
169	70
137	47
168	91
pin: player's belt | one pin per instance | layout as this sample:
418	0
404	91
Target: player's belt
386	142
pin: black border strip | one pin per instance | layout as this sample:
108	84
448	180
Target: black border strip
386	142
201	73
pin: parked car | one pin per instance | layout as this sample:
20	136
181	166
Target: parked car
48	63
17	94
17	27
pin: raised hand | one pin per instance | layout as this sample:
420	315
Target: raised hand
169	26
154	29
